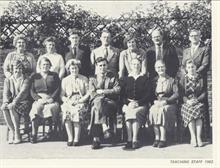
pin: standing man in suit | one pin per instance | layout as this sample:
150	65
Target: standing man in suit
196	52
77	52
106	51
162	51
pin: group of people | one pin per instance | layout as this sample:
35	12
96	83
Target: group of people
91	88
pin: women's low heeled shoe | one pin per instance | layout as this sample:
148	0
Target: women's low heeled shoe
135	145
70	143
17	141
193	143
156	143
162	144
75	143
95	145
34	139
200	144
128	145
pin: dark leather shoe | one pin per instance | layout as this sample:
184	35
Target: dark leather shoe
162	144
75	143
128	145
33	139
135	145
95	145
70	143
155	144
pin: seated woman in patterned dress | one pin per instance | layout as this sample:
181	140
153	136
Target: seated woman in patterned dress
45	90
15	100
193	94
74	94
130	53
163	112
135	94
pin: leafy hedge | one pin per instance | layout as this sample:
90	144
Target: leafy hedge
56	17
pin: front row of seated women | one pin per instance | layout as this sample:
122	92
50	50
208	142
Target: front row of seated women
99	98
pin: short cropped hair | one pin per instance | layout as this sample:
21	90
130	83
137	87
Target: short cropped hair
74	31
195	30
49	39
159	61
18	37
158	30
45	59
100	59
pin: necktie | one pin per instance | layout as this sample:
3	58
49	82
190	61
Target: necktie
74	52
159	54
105	52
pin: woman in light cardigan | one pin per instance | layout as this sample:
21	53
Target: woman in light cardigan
74	94
56	59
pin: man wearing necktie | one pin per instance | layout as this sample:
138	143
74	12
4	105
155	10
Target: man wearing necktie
78	52
106	51
197	52
164	51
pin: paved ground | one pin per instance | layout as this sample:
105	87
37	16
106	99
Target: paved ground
58	149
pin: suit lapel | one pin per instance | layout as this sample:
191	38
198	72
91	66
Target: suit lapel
197	53
79	54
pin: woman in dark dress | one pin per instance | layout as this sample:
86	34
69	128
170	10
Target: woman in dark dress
193	94
135	94
45	90
163	112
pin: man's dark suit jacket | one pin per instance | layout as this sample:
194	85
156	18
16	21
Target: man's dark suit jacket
201	59
170	57
84	56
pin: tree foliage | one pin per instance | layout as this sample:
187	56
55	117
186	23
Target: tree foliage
46	18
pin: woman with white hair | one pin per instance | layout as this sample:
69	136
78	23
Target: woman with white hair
74	94
163	112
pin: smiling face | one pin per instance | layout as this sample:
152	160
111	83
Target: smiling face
157	37
45	65
20	44
160	68
195	37
191	68
74	70
50	46
74	39
132	44
17	71
101	67
105	38
136	66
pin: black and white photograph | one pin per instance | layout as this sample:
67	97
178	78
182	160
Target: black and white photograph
108	83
